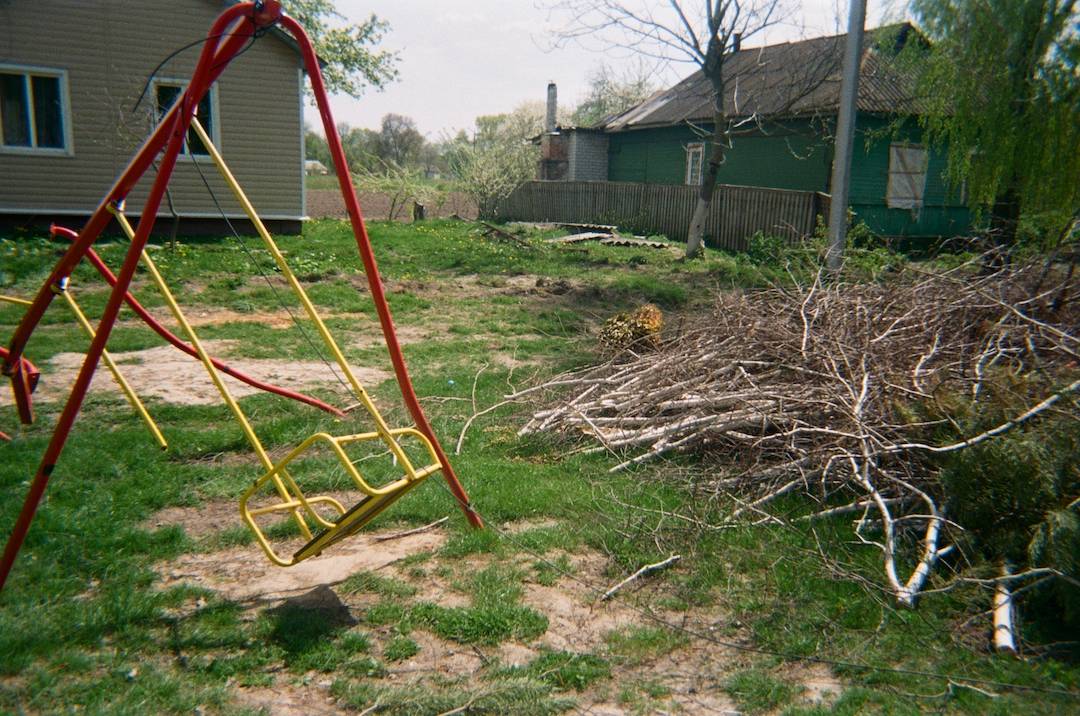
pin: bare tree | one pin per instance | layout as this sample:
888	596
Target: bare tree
703	32
399	141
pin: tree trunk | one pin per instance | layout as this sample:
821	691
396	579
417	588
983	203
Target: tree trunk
713	157
1004	218
1004	631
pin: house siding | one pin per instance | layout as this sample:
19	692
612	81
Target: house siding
109	48
789	156
795	155
943	212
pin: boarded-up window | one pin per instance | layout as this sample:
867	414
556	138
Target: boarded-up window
907	176
695	157
33	109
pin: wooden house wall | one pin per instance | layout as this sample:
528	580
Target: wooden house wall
795	155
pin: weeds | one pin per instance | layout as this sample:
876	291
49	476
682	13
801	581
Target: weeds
85	624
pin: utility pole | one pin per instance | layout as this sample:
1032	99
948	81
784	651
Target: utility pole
845	135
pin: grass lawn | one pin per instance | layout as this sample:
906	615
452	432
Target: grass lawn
138	591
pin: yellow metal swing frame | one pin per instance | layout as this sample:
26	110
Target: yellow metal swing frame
64	289
319	531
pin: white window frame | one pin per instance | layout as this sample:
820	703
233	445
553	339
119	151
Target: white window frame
916	202
695	148
215	114
65	111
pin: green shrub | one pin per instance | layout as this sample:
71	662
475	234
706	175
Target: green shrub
1041	232
767	249
1018	496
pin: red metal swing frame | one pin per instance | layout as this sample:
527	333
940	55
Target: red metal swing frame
225	40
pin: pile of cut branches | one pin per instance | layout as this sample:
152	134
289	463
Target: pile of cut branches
836	390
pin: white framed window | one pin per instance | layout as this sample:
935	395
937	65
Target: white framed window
167	91
35	110
695	159
907	176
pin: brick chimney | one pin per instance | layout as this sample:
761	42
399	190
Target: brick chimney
552	107
736	42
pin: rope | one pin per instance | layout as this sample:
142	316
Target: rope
194	43
273	289
213	196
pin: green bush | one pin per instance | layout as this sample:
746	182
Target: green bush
1041	232
1018	496
767	249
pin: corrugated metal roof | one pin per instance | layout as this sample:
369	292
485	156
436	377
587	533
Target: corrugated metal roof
790	79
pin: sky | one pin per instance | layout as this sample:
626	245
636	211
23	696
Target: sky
461	59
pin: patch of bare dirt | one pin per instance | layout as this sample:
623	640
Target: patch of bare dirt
693	675
820	685
514	654
438	657
575	624
223	316
169	375
287	699
372	336
210	517
244	573
525	525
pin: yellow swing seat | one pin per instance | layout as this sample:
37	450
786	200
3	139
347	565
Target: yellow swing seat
289	499
295	503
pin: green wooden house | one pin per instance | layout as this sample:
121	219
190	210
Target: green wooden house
783	103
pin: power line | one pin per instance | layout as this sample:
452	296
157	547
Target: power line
273	289
213	196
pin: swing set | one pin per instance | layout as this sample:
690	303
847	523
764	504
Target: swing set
320	520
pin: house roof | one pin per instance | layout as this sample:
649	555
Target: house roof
785	80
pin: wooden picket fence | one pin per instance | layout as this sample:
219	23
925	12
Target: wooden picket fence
738	212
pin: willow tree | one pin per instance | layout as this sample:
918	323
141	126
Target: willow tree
1001	90
702	32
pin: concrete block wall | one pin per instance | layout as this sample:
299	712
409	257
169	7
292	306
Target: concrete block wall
588	156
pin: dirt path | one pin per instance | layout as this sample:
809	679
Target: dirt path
169	375
692	672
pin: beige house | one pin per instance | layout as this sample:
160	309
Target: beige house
77	98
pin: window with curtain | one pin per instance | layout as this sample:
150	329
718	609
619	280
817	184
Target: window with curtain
695	158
